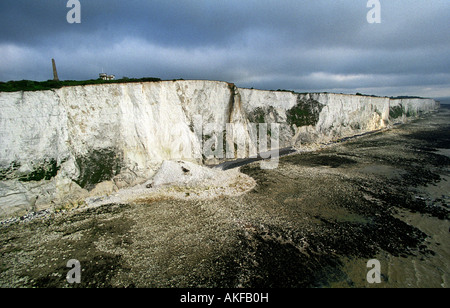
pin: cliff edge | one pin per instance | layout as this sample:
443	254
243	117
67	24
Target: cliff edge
60	146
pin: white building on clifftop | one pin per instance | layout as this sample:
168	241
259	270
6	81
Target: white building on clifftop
105	76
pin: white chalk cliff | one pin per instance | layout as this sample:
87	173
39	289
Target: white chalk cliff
69	143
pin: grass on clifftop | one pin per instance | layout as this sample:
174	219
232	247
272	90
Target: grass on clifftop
29	85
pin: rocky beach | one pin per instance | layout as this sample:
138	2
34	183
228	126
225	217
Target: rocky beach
314	221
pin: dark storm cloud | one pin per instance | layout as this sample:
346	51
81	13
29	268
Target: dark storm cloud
318	45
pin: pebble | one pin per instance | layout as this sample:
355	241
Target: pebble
27	217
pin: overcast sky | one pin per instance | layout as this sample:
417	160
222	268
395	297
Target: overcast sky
301	45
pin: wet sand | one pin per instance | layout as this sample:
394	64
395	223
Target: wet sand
314	221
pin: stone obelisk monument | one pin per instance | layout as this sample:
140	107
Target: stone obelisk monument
55	73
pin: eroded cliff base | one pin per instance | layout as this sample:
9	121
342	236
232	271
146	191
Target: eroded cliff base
313	222
61	146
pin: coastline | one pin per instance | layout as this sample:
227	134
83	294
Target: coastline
312	222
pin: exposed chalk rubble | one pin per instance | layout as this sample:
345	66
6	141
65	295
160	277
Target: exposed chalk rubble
181	180
77	142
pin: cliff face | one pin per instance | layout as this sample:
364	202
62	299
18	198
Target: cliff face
57	146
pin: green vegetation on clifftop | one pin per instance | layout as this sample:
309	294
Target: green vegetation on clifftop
29	85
